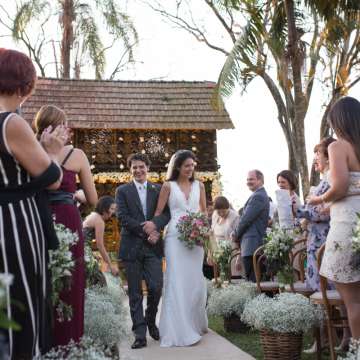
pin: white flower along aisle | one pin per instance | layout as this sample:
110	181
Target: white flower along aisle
105	314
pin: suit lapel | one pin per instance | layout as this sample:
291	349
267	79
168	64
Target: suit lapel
135	196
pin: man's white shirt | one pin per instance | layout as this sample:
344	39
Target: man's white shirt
142	191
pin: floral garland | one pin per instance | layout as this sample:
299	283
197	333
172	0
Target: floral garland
124	177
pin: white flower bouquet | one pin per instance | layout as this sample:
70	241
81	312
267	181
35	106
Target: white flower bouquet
284	313
355	245
221	255
61	265
278	245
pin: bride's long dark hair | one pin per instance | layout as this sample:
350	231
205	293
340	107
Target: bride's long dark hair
176	162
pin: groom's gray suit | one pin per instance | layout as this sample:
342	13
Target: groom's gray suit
142	260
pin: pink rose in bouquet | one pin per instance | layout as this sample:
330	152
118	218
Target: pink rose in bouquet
193	229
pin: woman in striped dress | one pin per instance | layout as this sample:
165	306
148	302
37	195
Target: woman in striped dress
26	169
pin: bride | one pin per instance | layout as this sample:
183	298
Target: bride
183	316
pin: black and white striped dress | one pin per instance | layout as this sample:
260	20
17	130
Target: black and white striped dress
23	253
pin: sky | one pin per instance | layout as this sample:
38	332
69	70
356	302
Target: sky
168	53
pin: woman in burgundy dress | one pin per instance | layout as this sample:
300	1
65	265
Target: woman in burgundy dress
74	163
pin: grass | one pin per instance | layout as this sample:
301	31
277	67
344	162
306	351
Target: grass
250	342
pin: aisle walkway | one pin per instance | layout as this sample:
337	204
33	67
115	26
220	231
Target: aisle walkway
211	347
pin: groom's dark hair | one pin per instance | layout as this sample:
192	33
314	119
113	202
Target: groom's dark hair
139	157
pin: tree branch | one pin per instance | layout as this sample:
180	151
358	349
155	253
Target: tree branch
221	19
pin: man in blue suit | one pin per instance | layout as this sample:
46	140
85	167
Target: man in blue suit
251	229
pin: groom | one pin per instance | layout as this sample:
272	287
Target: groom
141	249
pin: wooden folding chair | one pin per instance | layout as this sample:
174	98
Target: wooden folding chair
263	286
299	254
331	301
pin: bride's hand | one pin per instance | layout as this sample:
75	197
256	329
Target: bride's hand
153	237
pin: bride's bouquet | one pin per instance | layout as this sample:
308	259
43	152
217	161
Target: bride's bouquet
193	229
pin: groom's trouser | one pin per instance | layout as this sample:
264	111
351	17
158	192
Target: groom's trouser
147	266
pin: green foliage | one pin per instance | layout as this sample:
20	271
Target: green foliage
61	265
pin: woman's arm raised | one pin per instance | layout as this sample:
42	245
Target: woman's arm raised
22	144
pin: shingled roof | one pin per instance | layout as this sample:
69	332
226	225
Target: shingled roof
130	104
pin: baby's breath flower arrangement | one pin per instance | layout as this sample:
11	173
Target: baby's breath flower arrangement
284	313
221	256
105	314
355	245
278	245
354	351
229	302
87	349
5	323
61	264
193	229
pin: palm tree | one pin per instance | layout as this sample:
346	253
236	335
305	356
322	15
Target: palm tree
79	22
275	37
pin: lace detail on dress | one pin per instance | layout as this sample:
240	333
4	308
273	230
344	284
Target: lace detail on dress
337	256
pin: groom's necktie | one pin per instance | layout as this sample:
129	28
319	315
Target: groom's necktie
142	196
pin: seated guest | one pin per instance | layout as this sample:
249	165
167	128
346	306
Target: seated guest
318	216
73	163
94	227
224	221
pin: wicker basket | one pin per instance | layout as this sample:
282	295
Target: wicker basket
233	323
279	346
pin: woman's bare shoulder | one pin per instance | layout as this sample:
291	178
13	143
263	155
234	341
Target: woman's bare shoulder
166	185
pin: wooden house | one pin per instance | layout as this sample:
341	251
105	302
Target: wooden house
112	119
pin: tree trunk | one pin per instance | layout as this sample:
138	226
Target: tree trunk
295	58
66	22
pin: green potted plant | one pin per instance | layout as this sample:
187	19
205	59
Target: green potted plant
229	302
281	320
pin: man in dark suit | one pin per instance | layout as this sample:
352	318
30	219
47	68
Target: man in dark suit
141	248
251	229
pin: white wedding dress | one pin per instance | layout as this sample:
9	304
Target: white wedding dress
183	317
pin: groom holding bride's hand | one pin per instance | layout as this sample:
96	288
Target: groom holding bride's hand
141	249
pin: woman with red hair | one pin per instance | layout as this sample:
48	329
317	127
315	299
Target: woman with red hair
26	170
